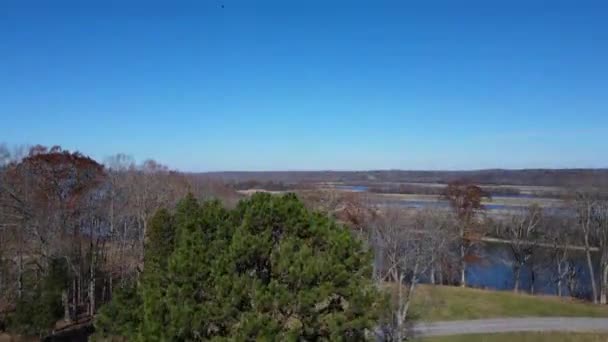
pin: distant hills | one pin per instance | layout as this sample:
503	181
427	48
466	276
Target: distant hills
538	177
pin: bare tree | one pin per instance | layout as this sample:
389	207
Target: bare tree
601	237
353	209
47	193
466	201
586	205
403	254
522	230
437	224
153	186
134	193
561	237
56	204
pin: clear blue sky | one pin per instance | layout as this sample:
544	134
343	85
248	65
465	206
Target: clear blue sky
291	85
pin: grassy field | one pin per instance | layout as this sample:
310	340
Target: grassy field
442	303
497	200
521	337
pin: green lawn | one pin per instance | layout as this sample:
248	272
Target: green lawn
521	337
442	303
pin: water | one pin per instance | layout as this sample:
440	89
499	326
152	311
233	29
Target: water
421	204
417	204
365	188
514	195
493	269
353	188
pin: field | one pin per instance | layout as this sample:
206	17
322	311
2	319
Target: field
521	337
443	303
497	200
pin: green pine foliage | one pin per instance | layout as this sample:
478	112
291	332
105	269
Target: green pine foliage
159	246
120	318
267	270
140	311
41	307
196	269
306	276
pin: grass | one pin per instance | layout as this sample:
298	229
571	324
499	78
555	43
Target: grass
497	200
444	303
521	337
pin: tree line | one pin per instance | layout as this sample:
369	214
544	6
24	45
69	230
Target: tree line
152	254
490	177
76	228
148	252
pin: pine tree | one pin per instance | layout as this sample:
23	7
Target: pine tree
196	306
121	317
39	309
306	276
267	270
158	248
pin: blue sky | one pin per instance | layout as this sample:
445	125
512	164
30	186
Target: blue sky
304	85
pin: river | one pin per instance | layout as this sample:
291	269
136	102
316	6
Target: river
492	269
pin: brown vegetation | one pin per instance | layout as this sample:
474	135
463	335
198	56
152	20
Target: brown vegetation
57	204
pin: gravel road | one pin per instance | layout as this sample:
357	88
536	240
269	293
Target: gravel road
503	325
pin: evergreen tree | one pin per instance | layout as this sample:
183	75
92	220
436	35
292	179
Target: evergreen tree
38	311
196	305
121	317
141	312
305	276
160	242
267	270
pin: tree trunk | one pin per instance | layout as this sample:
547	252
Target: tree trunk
92	285
604	287
532	281
559	279
399	311
516	277
463	263
571	285
145	233
404	302
66	306
110	288
20	276
112	212
78	288
590	266
104	291
74	294
463	267
432	280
